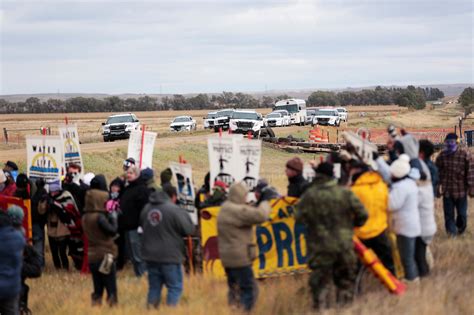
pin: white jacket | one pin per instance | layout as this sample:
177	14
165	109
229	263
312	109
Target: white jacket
403	204
426	206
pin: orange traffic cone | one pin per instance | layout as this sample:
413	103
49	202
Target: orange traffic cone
315	135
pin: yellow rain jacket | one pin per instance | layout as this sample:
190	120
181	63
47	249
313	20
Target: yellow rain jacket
373	193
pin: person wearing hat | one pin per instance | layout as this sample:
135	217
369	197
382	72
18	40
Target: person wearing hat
7	184
264	192
330	212
218	196
294	171
403	205
456	183
11	256
11	167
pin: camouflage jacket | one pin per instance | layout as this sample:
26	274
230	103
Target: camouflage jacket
330	213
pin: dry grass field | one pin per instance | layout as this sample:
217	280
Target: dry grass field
448	290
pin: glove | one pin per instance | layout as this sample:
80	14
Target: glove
375	155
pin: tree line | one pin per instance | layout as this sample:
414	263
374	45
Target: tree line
408	97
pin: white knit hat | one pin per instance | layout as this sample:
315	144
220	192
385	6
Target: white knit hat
3	178
401	167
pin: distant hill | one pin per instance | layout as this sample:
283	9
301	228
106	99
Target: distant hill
449	90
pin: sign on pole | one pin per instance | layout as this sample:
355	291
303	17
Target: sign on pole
183	177
249	153
45	157
140	147
71	147
223	160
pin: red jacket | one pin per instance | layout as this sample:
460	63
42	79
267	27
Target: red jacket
8	190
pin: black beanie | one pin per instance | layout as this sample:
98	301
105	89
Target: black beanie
325	168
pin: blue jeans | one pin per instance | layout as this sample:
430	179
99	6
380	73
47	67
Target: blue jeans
170	275
134	250
38	240
406	247
243	289
455	224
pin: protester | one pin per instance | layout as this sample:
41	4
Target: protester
330	213
171	191
11	256
132	201
22	187
7	184
204	192
101	229
75	185
237	250
112	206
427	220
425	154
165	176
456	182
148	176
294	172
11	167
372	191
403	204
218	196
164	226
38	220
264	192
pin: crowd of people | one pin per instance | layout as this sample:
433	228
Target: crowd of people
100	227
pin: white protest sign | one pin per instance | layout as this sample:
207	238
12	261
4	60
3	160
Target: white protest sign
249	154
183	177
135	147
71	147
45	157
223	160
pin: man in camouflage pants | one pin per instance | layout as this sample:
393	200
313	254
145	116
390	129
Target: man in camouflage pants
330	213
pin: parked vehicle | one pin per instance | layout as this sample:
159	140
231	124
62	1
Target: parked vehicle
276	119
286	115
244	121
183	123
296	108
209	120
310	112
343	113
222	120
119	126
327	117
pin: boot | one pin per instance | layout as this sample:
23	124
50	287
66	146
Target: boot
112	301
96	301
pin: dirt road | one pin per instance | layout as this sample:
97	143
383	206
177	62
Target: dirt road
101	147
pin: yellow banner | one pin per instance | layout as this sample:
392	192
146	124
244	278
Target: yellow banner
281	242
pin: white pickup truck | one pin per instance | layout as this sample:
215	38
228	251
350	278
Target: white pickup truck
245	121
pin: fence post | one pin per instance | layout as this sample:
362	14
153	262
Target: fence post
5	132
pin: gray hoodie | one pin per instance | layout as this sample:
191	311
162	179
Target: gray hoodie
164	226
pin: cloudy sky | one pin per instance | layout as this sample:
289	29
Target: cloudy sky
211	46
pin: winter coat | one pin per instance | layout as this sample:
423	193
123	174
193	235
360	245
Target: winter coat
164	226
36	217
297	186
56	228
133	200
403	204
235	228
330	212
373	194
11	257
426	205
9	190
456	173
99	226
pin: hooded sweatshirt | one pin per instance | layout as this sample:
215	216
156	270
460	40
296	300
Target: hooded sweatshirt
99	226
235	228
164	226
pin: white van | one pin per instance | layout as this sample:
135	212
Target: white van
296	108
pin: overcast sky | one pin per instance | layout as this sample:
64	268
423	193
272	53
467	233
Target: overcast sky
212	46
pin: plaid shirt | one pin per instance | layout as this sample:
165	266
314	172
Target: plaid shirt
456	173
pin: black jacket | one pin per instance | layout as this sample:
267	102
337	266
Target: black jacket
297	186
132	201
